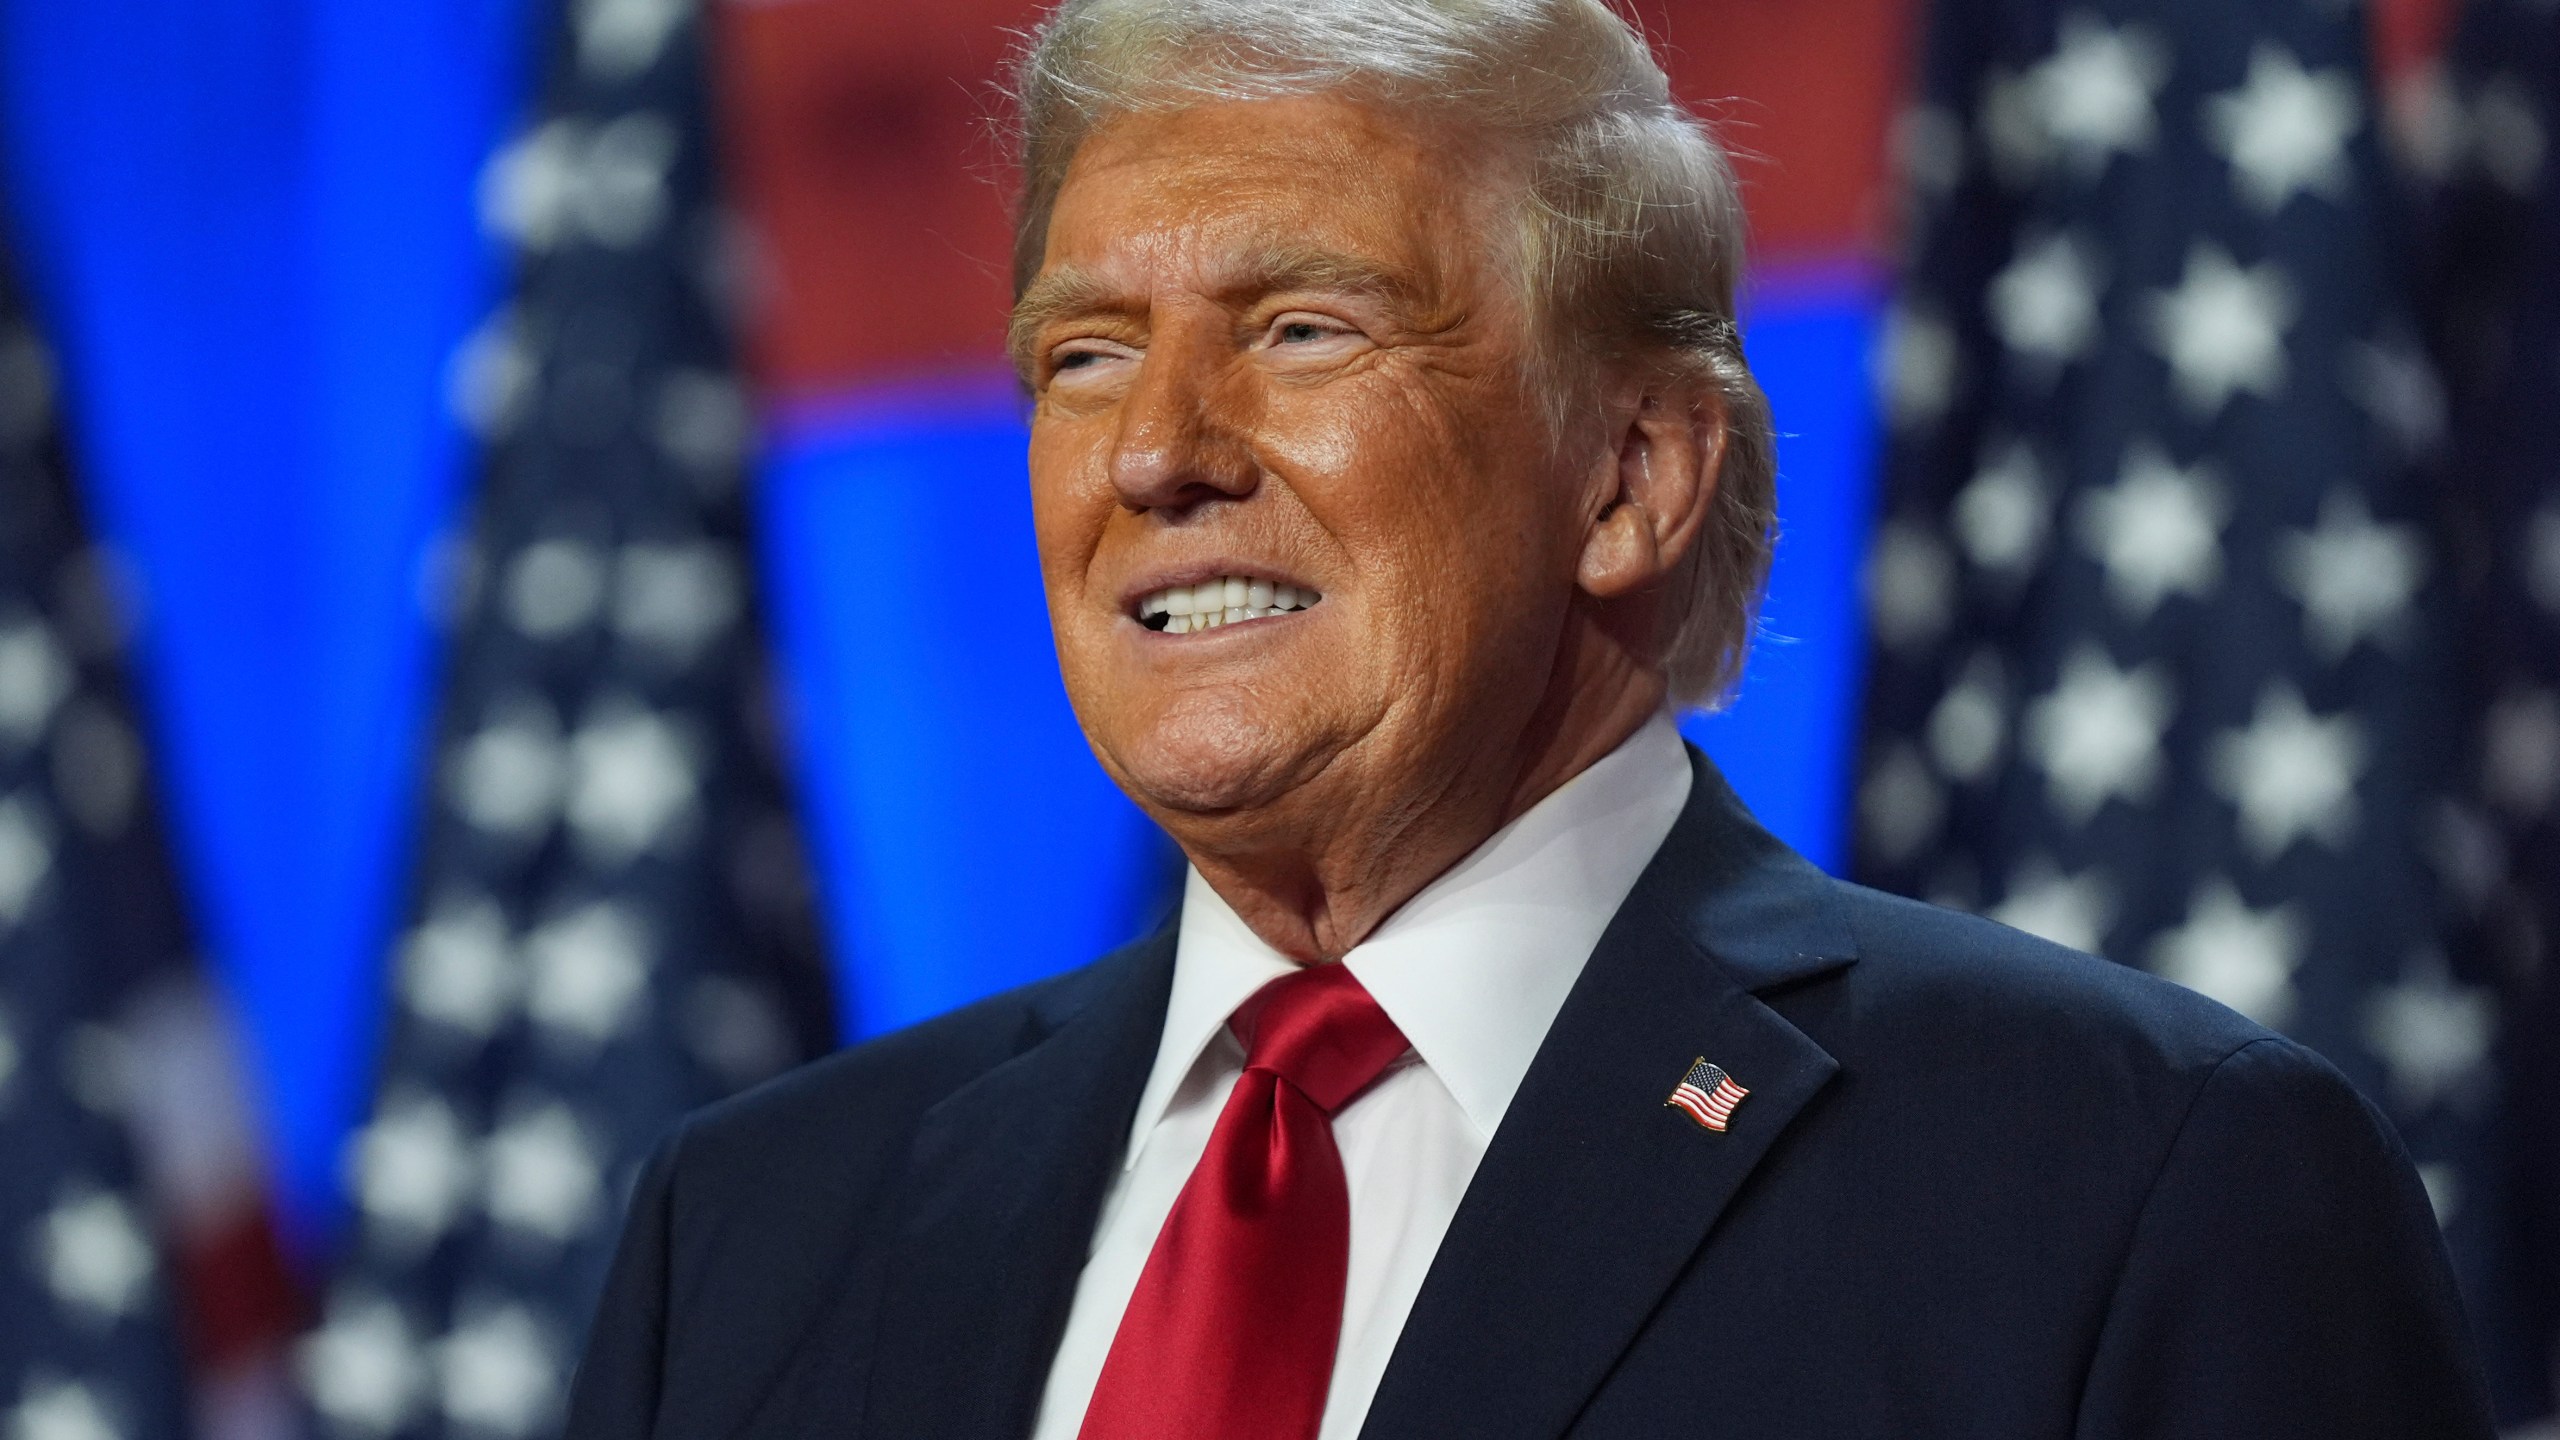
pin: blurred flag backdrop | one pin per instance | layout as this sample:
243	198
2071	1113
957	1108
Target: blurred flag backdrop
142	1291
610	921
260	227
2167	660
451	616
2487	147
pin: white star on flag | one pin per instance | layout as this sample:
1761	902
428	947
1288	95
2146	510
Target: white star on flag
525	188
61	1410
2157	530
2241	956
1911	582
2012	125
2222	329
2432	1035
2097	732
506	779
553	587
675	599
1967	725
2069	910
26	857
590	972
633	781
2094	93
2285	130
491	375
543	1173
618	39
413	1168
362	1367
2291	773
35	678
458	967
2045	303
570	179
2354	577
1900	805
95	1255
1915	364
498	1373
704	422
2003	512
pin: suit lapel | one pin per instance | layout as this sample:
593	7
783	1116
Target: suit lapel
1006	1178
1594	1193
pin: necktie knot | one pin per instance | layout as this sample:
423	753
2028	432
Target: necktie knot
1320	1031
1232	1329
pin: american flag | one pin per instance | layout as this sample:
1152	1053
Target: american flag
611	923
2163	658
142	1291
1707	1094
2482	132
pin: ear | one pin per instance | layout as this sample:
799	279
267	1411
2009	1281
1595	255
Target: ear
1669	453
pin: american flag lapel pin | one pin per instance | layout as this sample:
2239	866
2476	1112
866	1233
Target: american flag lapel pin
1707	1094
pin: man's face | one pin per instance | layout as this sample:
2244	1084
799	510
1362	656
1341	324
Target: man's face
1279	354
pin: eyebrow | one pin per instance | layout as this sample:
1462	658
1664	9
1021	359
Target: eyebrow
1263	270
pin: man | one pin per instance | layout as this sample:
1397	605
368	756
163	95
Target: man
1396	472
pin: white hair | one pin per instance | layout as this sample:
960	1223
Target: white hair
1633	223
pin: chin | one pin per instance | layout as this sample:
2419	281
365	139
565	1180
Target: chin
1209	755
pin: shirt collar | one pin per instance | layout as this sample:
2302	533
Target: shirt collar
1475	966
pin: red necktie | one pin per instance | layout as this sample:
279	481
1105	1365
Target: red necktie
1230	1334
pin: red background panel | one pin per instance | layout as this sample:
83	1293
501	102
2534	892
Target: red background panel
865	155
1805	95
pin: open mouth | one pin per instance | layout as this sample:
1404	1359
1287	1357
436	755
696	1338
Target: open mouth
1227	600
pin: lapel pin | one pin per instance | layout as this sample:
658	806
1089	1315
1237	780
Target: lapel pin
1708	1095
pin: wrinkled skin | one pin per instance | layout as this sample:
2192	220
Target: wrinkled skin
1286	338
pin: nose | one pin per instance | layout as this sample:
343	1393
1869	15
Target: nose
1179	446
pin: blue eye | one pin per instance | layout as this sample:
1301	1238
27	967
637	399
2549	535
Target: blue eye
1298	330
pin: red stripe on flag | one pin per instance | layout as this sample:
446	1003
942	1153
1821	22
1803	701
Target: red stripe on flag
1691	1099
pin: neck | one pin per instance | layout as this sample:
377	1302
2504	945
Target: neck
1312	891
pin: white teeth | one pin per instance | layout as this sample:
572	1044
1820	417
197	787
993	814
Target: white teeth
1190	609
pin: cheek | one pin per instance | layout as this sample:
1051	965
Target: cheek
1070	504
1335	447
1436	501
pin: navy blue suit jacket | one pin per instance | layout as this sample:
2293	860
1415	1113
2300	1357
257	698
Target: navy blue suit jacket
1983	1187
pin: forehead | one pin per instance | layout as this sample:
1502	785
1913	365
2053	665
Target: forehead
1180	195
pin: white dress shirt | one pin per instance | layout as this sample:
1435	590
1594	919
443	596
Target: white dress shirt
1472	969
